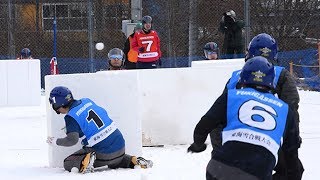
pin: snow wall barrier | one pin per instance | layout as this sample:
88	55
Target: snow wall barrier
20	83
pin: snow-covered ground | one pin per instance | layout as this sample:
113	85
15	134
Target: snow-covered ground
24	150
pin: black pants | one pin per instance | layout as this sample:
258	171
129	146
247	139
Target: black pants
147	65
234	52
219	171
114	160
130	65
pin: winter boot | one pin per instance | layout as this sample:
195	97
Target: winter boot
87	163
143	163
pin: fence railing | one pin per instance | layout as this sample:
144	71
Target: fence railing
184	27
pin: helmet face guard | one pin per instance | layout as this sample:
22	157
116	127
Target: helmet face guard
55	106
116	56
60	97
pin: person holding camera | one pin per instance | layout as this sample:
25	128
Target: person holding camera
233	45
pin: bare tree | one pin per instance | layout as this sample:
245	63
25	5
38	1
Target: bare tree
287	20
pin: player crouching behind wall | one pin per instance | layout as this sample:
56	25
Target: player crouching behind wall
103	142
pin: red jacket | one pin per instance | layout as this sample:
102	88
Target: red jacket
151	44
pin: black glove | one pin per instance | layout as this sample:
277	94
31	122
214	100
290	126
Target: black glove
194	148
141	49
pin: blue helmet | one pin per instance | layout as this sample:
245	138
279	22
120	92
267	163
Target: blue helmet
263	45
210	48
60	96
258	73
25	53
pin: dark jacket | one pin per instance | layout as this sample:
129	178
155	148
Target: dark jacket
287	91
232	31
126	47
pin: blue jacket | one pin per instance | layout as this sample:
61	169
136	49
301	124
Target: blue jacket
93	122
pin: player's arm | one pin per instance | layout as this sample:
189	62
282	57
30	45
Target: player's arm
290	147
126	47
135	44
72	131
158	46
287	89
222	26
213	118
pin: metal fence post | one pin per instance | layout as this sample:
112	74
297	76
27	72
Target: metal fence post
136	10
55	36
11	44
247	22
90	36
318	44
291	67
193	29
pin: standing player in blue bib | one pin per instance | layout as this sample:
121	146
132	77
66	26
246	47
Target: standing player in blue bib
103	141
285	87
255	125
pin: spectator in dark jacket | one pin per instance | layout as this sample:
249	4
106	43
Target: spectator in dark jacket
233	45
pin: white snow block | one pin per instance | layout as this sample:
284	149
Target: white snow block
222	63
174	100
20	83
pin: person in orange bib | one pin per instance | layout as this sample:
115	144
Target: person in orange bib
131	55
147	44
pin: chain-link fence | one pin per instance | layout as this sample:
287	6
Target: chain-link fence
183	26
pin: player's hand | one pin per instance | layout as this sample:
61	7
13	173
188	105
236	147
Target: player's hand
194	148
51	140
141	49
84	142
222	19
